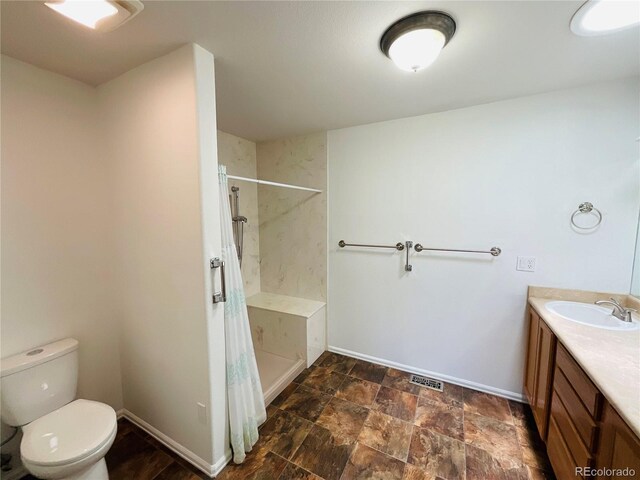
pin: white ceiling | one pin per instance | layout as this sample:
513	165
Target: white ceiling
287	68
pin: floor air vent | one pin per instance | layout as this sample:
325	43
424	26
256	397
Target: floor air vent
431	383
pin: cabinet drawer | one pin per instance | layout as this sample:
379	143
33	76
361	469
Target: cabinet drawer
567	430
561	460
584	388
580	417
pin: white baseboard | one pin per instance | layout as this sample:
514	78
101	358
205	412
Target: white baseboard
518	397
220	464
188	455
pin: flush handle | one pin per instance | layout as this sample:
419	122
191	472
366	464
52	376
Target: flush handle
219	297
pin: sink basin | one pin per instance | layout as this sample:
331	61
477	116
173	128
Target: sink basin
589	314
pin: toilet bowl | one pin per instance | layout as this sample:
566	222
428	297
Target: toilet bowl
63	438
70	442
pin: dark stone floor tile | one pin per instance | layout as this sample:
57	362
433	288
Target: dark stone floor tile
174	456
133	457
260	464
321	358
437	454
483	466
451	394
125	427
486	404
304	374
358	391
293	472
343	419
306	403
323	453
411	472
520	413
338	363
401	381
398	404
284	433
497	438
289	389
387	434
162	447
366	463
271	410
537	474
534	452
443	418
368	371
175	471
324	379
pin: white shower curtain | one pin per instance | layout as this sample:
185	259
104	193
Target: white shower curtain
244	392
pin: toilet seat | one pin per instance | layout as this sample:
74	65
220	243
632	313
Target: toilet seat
69	435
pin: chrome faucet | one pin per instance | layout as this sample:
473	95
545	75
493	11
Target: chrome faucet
620	312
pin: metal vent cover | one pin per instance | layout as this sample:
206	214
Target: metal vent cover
431	383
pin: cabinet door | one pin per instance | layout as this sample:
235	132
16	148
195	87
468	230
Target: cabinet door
544	377
619	446
531	361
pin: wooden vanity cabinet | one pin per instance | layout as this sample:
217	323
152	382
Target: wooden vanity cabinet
580	428
619	446
539	370
576	405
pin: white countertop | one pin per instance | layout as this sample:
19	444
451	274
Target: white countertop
610	358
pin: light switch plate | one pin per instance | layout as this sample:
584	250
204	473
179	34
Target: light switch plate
526	264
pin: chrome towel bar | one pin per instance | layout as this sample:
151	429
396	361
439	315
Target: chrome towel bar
398	246
495	251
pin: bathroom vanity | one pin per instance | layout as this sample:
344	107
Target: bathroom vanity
583	385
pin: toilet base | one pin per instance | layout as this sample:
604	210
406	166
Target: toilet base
97	471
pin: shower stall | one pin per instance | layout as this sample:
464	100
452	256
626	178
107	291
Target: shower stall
288	331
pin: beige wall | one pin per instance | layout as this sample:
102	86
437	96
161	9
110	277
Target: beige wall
239	155
156	118
56	225
293	223
110	214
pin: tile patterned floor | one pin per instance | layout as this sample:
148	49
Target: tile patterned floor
345	419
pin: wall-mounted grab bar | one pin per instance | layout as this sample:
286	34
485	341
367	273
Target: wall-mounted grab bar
398	246
495	251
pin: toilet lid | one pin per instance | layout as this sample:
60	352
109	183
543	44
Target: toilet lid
68	434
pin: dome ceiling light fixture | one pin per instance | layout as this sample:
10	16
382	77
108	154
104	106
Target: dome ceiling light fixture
414	42
599	17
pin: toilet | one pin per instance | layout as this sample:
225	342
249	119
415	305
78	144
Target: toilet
62	438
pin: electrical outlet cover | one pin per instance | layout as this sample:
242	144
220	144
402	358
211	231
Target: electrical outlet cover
526	264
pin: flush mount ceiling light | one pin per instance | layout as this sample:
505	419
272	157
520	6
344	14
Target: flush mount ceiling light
102	15
599	17
414	42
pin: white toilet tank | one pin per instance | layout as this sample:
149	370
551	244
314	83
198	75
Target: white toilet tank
38	381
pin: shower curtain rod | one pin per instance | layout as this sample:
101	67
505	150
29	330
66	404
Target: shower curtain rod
274	184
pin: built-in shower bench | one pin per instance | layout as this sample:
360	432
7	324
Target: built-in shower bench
289	334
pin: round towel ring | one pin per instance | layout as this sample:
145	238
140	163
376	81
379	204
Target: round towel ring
586	207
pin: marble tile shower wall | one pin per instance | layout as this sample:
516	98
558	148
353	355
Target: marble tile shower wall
239	155
293	224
